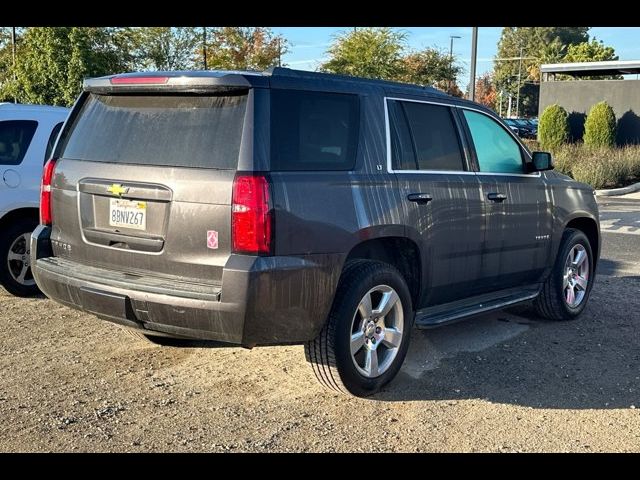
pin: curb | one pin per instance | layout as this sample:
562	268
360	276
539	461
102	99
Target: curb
612	192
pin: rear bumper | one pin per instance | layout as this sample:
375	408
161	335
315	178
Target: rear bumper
261	301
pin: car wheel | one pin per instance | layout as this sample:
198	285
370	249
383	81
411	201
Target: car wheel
15	260
366	337
565	293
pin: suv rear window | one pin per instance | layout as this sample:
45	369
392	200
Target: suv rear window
313	130
15	138
172	130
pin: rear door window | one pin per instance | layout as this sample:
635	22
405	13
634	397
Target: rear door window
15	138
172	130
424	137
313	130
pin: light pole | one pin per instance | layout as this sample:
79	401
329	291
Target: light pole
452	37
474	57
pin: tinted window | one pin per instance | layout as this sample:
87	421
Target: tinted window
402	150
15	138
174	130
52	141
496	150
434	139
313	130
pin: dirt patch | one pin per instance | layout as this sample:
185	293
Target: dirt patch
503	382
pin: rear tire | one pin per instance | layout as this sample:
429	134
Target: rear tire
566	291
364	342
15	261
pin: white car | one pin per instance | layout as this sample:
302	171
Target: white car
27	136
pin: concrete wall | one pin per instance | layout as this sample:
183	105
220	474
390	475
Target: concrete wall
578	96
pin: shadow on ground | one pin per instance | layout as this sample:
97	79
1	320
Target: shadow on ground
516	358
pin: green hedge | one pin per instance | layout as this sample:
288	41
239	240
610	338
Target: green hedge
600	126
553	128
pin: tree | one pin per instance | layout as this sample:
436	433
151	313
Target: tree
534	43
382	53
486	91
600	126
367	52
166	48
593	51
51	62
429	67
243	48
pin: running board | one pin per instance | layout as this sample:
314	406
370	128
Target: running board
436	316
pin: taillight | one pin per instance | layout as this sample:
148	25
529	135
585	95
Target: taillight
45	192
251	216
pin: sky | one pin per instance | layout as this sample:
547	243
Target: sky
308	45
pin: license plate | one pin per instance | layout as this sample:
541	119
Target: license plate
127	213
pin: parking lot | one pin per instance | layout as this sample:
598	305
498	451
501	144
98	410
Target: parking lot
501	383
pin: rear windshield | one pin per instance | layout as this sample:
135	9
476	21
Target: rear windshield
173	130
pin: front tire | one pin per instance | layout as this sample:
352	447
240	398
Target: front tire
565	293
15	260
365	340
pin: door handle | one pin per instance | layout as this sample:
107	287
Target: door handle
419	197
497	197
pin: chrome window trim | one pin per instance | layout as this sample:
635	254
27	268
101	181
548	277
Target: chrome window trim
444	172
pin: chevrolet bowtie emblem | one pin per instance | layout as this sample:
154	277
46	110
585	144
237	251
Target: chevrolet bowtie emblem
117	189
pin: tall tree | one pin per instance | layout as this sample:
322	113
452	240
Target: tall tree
52	62
166	48
367	52
520	51
243	48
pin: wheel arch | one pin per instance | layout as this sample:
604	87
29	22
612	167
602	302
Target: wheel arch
401	252
18	213
589	227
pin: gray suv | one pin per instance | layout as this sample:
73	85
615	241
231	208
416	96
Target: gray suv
296	207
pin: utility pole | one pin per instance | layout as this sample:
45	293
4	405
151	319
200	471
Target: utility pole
13	50
519	76
474	54
204	46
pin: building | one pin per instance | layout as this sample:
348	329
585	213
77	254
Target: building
578	96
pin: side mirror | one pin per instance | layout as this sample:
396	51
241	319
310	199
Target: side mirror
541	161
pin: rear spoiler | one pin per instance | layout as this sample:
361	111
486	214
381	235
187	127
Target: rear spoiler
184	82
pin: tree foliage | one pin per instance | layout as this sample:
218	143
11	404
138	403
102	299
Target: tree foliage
51	62
165	48
553	127
243	48
367	52
600	126
383	53
486	91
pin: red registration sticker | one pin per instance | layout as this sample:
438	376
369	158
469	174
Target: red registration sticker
212	239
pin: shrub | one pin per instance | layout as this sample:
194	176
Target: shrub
600	126
603	172
553	128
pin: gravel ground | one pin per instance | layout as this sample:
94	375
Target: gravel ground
505	382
